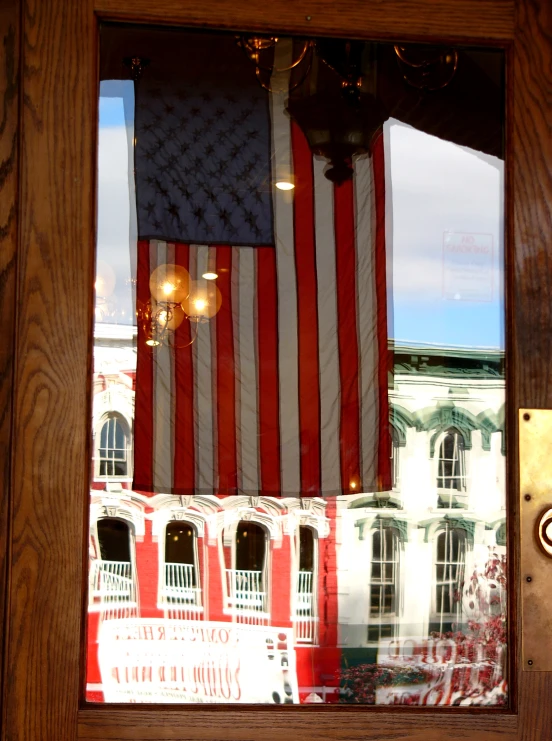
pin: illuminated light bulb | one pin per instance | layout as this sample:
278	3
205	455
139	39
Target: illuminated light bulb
169	283
168	317
204	300
284	185
210	276
152	342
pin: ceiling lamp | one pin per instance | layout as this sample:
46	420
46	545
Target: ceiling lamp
176	298
337	108
332	96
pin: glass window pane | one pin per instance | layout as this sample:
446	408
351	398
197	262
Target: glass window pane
299	389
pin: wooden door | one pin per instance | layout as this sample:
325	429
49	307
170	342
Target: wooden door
55	85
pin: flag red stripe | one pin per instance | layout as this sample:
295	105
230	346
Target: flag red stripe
349	436
307	313
143	423
183	385
269	396
384	356
227	480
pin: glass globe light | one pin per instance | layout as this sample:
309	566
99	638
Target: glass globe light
169	284
203	301
168	317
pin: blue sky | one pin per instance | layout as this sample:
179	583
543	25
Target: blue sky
441	194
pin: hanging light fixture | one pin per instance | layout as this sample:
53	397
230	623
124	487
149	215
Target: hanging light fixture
337	107
176	298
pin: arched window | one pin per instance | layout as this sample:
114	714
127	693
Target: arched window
450	559
247	580
180	577
114	539
113	447
112	579
384	583
451	472
306	591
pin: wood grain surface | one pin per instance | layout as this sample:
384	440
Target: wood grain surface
51	397
9	183
282	724
531	203
386	19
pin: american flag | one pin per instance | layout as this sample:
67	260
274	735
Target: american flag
285	391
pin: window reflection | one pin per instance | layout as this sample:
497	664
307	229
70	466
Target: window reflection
384	595
298	489
449	578
452	467
113	448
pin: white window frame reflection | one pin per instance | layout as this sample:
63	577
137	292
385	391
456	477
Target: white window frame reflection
385	564
112	584
114	454
180	592
451	473
248	590
449	574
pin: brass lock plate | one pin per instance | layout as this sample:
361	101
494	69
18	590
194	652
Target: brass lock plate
535	459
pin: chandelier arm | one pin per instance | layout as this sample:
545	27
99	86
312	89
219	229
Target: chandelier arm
249	50
291	88
173	344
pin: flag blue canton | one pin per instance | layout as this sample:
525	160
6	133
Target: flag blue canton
203	156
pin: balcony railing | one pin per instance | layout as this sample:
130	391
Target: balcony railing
304	611
180	586
111	582
246	591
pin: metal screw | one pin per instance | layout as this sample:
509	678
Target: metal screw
527	416
529	579
527	497
530	662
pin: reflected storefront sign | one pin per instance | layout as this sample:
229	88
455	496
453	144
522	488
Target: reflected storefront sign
187	661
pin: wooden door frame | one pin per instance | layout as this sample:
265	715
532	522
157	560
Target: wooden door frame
9	188
51	396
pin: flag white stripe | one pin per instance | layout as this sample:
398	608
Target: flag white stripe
246	374
163	398
205	409
328	351
287	307
365	235
235	289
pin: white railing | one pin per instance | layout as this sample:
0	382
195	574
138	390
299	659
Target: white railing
246	594
304	610
111	582
180	593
